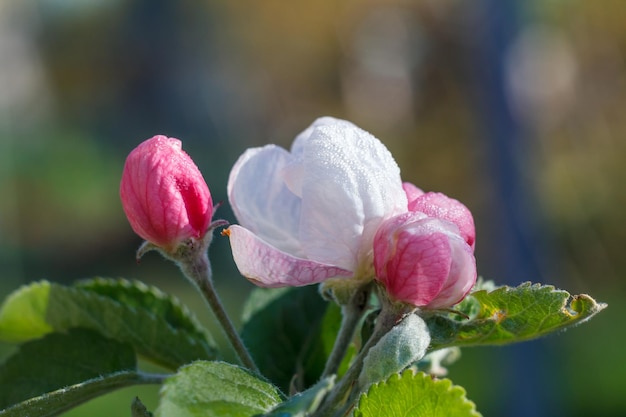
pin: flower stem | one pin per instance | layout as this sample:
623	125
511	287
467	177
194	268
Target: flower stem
149	378
198	270
352	312
335	400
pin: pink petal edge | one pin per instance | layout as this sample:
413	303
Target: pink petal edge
412	192
441	206
266	266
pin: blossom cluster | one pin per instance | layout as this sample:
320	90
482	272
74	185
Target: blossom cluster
333	207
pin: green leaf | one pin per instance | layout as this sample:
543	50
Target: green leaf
283	335
415	395
216	389
139	295
403	345
62	400
470	306
22	315
156	325
259	299
509	315
305	403
51	372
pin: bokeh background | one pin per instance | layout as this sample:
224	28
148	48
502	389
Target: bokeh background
515	108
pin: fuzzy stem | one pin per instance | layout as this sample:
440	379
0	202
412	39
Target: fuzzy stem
198	270
149	378
352	312
334	402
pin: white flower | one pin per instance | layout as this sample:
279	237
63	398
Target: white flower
311	214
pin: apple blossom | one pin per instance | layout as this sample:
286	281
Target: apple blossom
311	214
164	195
423	260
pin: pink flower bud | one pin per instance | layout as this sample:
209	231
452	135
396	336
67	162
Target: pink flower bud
443	207
164	196
423	261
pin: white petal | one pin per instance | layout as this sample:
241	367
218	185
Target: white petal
297	147
261	200
352	184
294	173
267	266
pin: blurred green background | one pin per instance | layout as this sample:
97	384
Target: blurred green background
513	107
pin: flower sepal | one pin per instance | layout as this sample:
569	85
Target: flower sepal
186	250
341	290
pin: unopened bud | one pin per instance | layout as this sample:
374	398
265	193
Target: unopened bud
164	195
423	261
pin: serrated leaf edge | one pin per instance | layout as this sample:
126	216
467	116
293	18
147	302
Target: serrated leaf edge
206	345
150	354
457	390
149	289
269	398
116	380
566	308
